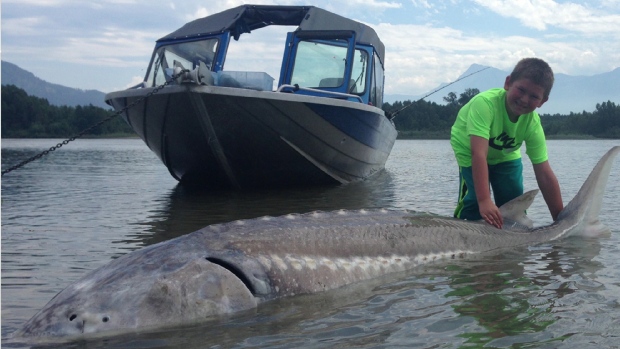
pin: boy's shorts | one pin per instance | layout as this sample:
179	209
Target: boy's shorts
506	180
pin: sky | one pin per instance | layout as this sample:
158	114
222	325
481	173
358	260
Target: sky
106	45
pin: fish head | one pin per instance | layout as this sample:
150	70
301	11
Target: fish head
105	303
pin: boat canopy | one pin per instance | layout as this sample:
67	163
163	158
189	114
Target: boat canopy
245	18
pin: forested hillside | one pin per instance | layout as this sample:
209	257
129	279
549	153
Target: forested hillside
26	116
422	119
56	94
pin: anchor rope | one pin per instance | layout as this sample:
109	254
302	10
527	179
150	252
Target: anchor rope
391	116
88	129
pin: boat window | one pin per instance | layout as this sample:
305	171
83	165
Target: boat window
189	54
360	67
319	64
376	85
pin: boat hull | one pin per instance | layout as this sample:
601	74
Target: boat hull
222	137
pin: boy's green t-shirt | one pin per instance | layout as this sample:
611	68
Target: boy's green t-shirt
485	116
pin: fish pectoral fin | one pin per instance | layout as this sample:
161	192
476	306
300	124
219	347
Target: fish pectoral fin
515	209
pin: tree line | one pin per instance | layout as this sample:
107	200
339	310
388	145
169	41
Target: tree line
25	116
422	119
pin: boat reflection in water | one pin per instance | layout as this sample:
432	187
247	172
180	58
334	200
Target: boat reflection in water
187	209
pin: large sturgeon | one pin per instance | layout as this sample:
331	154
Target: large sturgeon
225	268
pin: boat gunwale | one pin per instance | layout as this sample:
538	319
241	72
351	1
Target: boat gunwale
240	92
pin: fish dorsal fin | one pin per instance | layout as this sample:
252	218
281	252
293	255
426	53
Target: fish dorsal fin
514	210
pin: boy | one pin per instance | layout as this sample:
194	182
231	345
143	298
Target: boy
486	138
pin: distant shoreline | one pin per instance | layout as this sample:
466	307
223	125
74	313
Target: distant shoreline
114	136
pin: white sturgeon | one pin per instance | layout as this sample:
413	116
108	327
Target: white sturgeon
224	268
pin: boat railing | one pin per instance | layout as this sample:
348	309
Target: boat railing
293	88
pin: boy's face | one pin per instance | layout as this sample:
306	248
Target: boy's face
523	96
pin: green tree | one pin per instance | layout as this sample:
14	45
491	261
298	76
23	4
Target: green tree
466	96
422	119
608	120
451	98
26	116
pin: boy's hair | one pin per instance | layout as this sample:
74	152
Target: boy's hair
536	70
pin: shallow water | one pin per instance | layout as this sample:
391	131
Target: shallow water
95	200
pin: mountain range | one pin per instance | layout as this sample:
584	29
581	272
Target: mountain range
54	93
569	94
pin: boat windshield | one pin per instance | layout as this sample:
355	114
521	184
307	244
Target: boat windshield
188	54
322	64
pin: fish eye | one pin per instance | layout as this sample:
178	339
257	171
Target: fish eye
72	317
105	319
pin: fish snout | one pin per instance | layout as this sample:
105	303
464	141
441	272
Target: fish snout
53	324
86	322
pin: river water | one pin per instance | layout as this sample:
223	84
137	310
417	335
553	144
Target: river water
95	200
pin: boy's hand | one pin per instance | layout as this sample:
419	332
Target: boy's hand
490	213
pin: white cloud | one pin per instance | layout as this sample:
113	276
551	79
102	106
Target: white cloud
42	3
215	6
375	3
575	38
439	55
199	13
421	3
539	14
24	26
135	80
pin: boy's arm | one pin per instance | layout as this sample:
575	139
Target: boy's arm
480	171
550	188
